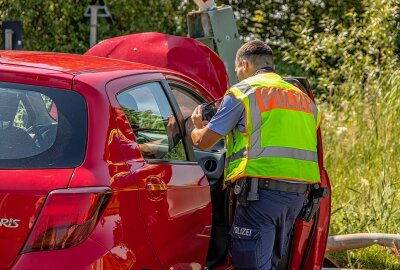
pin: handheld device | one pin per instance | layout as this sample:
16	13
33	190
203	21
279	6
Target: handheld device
208	110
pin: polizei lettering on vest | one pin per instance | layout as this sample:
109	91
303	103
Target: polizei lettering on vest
242	231
273	98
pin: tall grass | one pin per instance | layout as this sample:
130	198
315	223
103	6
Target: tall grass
362	156
355	68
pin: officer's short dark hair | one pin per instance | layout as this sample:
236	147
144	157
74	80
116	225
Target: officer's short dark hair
257	53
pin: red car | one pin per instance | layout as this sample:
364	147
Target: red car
96	168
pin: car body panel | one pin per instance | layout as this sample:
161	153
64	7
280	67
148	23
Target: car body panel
122	229
34	76
172	224
22	194
91	256
65	63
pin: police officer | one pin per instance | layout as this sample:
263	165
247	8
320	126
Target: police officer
270	129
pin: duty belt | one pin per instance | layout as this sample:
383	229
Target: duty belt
280	185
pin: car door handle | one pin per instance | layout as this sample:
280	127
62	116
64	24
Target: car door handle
155	187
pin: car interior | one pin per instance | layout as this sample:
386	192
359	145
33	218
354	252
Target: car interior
26	128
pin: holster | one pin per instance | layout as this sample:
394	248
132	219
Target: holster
313	200
241	190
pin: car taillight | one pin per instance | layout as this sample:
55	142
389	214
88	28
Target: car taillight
67	218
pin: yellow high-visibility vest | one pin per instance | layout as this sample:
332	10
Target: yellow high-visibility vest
280	136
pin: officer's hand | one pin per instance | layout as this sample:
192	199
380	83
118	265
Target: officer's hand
197	118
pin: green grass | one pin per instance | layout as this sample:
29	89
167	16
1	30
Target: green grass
361	138
355	74
374	257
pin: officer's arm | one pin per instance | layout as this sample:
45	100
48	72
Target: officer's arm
202	137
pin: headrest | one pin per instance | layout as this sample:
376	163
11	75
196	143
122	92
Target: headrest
9	102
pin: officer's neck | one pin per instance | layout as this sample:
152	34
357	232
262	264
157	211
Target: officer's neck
264	69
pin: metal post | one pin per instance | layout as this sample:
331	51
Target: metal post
217	29
9	39
97	8
93	25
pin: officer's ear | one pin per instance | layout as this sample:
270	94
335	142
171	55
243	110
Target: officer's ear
245	65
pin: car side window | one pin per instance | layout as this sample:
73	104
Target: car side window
153	122
187	102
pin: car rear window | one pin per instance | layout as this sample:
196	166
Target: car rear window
41	127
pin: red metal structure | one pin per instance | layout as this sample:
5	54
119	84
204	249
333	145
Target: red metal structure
115	206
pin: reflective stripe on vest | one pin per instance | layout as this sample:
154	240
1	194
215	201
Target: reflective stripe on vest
275	151
267	94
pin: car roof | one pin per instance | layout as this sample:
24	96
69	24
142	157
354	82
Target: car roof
64	67
70	63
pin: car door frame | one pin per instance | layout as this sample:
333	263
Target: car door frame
220	197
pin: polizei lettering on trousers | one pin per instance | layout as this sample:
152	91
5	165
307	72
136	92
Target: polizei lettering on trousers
242	231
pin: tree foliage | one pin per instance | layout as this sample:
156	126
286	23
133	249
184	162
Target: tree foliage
59	26
273	20
50	25
348	57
